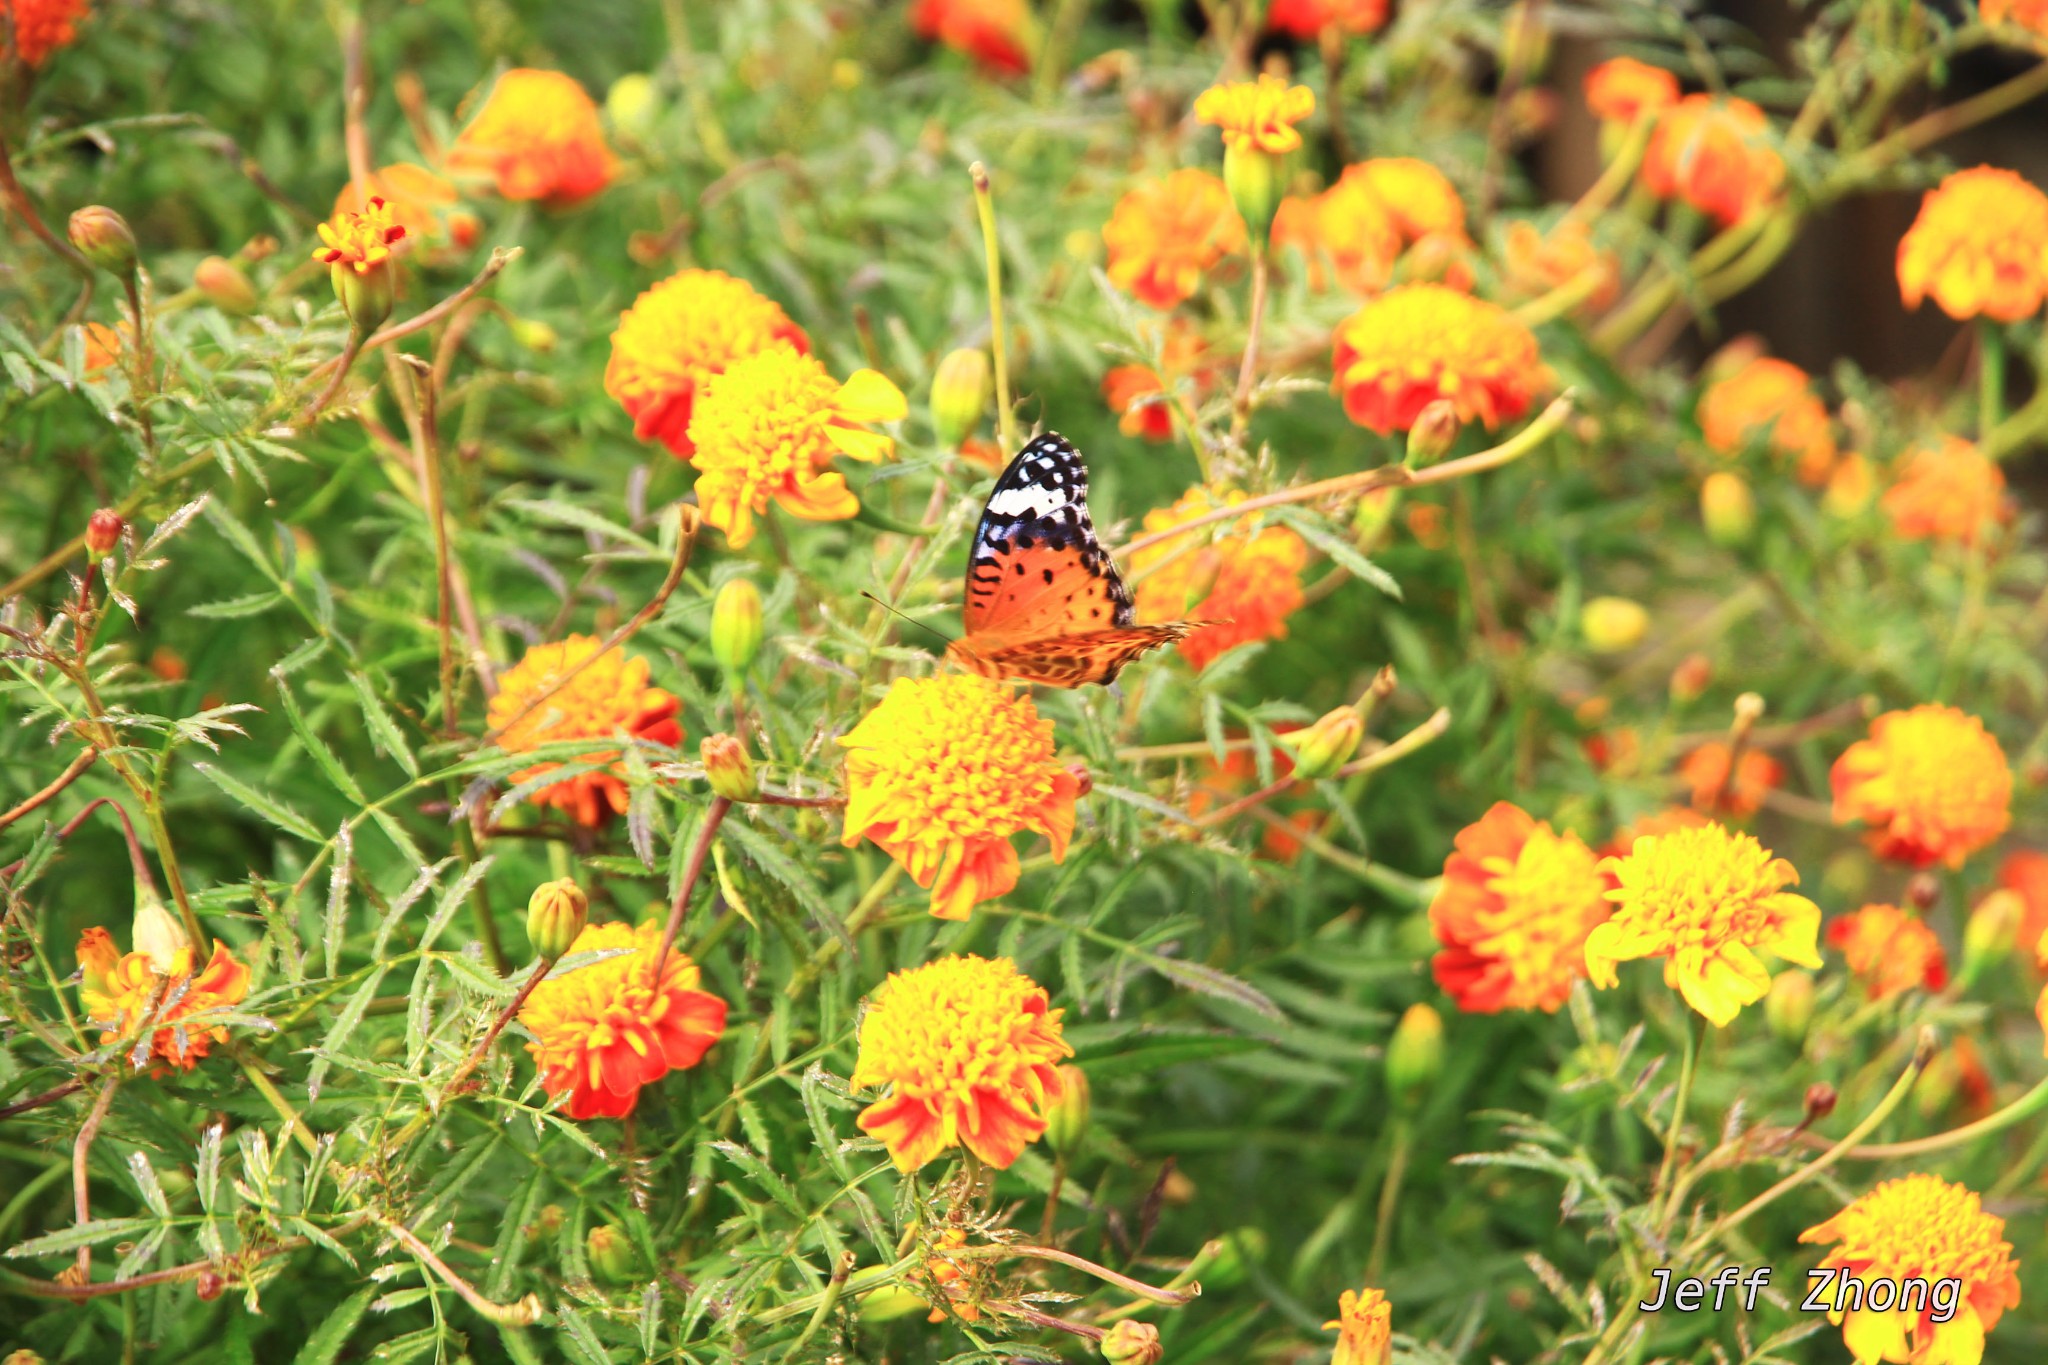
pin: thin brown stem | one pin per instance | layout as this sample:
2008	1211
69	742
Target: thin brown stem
511	1010
50	1096
524	1313
714	816
426	449
64	779
81	1177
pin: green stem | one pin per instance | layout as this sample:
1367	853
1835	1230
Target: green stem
1990	376
985	207
1390	1199
1688	1068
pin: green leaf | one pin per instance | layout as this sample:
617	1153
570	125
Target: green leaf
343	780
1341	551
86	1234
384	732
277	813
339	1031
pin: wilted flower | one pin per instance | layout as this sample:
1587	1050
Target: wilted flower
1257	115
1249	582
122	992
1705	770
1930	784
1979	246
1770	400
1165	234
1715	154
1365	1328
607	1029
1308	18
996	33
1421	342
609	700
1949	491
679	334
1513	910
539	137
40	27
1889	950
970	1050
1623	89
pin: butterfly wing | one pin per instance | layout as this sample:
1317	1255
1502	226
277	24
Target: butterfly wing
1036	568
1091	657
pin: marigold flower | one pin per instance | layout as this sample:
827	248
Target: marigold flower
1343	232
1931	784
1979	246
1140	397
603	1031
1249	582
1365	1328
1890	950
422	200
1623	89
1308	18
1513	911
2026	872
1714	154
122	992
942	772
1166	234
2027	14
1538	262
970	1050
360	242
1770	400
679	334
1705	769
609	700
1707	901
993	32
1419	198
1421	342
40	27
103	345
1947	491
1919	1228
539	137
1257	115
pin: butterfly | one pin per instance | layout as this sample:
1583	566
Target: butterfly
1044	603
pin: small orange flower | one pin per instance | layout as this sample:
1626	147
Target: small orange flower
609	700
1890	950
1138	395
1657	822
970	1049
603	1031
1365	1328
1623	89
1705	769
1919	1229
995	33
40	26
1707	901
1342	232
1257	115
1931	784
1538	262
2027	14
1421	342
1947	491
1513	910
679	334
421	200
539	137
942	772
1308	18
1166	234
1419	198
2026	872
124	992
1715	154
1247	581
1979	246
1770	400
103	345
360	241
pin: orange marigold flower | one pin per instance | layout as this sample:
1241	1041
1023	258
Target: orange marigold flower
40	27
1247	581
768	428
1513	910
1166	233
423	201
1343	232
103	346
1140	397
1947	491
1257	115
1889	950
993	32
539	137
1979	246
1918	1228
679	334
603	1031
1365	1328
1624	89
1931	784
609	700
1705	769
1538	262
360	241
125	992
1707	901
1421	342
1657	822
970	1050
1419	198
942	772
2026	872
1308	18
1715	154
2027	14
1770	400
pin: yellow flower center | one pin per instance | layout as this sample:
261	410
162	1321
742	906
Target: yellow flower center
953	757
766	417
943	1030
1549	896
1700	888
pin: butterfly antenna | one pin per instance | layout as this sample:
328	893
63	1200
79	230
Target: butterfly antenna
941	635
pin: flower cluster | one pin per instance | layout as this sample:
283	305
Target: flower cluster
124	993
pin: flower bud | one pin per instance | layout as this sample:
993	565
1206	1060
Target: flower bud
1234	1251
1375	512
631	105
1613	625
1433	434
1820	1101
535	336
24	1356
1788	1008
208	1285
545	1225
157	932
1255	182
736	625
1321	749
611	1254
224	285
366	296
103	532
1132	1343
1415	1056
1524	41
103	237
728	768
1728	508
555	915
1691	677
1066	1119
959	395
1991	932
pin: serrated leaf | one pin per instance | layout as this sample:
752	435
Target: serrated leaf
452	899
277	813
87	1234
1341	551
339	1031
385	735
344	781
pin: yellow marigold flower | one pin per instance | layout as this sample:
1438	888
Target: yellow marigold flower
1421	342
940	775
1257	115
970	1050
1419	198
1166	234
1513	910
1947	491
360	241
603	1031
1931	784
418	198
1707	901
679	334
1773	400
1308	18
1918	1228
1365	1328
1623	89
1715	154
767	429
40	27
539	137
1249	582
996	33
2027	14
609	700
123	992
1889	950
1979	246
1342	233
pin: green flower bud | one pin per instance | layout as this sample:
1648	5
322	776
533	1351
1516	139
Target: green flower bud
736	625
632	105
555	915
103	237
1992	932
1788	1008
1433	433
535	336
1234	1251
1132	1343
1415	1056
224	285
366	296
1066	1119
960	389
1613	625
611	1254
1256	181
1323	748
890	1302
727	767
1728	508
